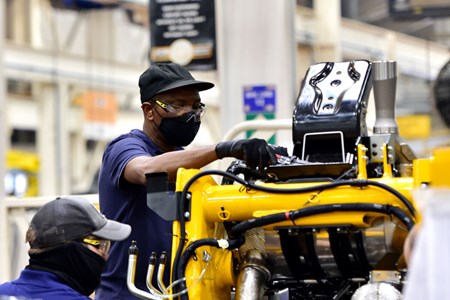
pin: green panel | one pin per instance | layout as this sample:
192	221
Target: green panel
267	116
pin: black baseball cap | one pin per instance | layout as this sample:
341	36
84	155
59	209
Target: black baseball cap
70	218
160	78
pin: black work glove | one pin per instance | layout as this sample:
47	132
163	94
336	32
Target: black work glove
255	152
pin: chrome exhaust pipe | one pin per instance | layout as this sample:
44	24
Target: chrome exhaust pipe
254	273
384	86
253	277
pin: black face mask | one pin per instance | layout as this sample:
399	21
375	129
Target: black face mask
180	131
76	265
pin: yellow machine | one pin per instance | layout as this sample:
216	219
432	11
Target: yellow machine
322	223
21	178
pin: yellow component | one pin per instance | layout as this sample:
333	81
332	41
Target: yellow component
414	126
224	215
387	169
439	167
28	163
362	162
314	197
433	171
219	277
211	204
421	171
22	160
244	206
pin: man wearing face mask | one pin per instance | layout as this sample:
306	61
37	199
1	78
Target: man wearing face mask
172	111
69	242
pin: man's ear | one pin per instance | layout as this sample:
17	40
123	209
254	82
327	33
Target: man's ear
147	108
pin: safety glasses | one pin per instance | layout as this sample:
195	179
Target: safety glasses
102	245
188	112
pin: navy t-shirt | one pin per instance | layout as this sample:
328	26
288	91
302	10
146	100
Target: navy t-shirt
127	203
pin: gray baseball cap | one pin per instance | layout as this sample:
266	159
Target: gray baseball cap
70	218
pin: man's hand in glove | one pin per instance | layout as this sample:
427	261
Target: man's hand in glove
255	152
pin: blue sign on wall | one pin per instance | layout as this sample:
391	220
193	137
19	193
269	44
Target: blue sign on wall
259	99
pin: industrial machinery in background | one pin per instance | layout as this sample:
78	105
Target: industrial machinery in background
442	93
327	222
21	178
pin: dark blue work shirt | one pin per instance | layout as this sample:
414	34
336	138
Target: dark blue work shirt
42	285
127	203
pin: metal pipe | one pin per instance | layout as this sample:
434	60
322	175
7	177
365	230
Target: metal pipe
162	265
253	277
384	85
150	270
259	125
131	272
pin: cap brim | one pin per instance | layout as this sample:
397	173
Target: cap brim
198	85
113	231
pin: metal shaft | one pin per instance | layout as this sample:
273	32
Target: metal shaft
384	86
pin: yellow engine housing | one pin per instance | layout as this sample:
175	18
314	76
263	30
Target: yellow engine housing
213	204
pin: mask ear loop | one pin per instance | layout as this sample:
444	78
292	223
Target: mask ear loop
153	119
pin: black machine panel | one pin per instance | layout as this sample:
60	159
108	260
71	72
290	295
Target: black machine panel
331	104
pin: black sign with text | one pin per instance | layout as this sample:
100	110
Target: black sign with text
183	32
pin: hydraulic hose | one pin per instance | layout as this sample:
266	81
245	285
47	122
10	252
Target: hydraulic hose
159	276
181	216
358	183
150	270
239	229
190	250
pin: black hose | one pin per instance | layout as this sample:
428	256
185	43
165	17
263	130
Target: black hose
396	193
239	229
242	227
358	183
190	250
181	212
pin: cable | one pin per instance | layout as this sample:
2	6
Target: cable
241	228
357	183
131	272
182	218
190	250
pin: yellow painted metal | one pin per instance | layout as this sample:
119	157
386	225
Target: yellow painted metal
433	171
242	204
414	126
28	163
387	169
439	168
213	204
219	273
421	171
362	161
